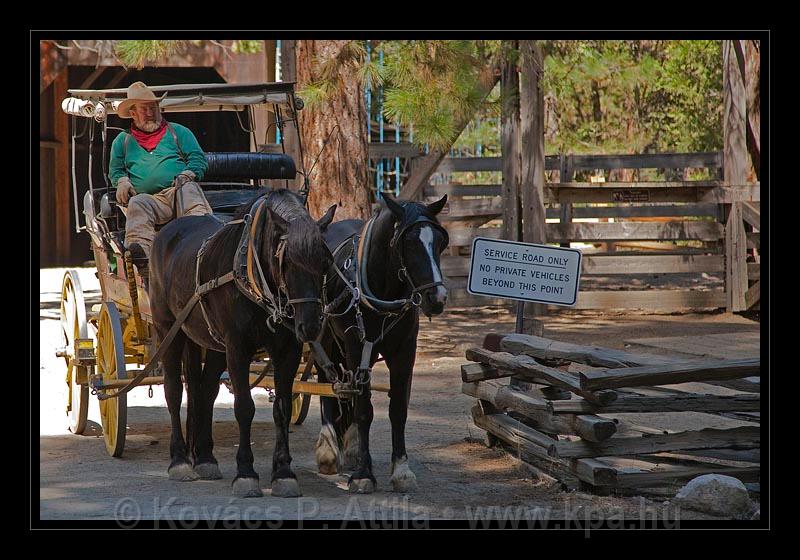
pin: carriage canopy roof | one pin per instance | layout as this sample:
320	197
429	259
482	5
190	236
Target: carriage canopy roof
197	97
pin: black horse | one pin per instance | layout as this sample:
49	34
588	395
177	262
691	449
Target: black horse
395	260
280	257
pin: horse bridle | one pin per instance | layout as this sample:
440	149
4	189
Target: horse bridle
402	274
281	281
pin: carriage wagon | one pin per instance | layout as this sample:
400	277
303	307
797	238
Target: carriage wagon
106	347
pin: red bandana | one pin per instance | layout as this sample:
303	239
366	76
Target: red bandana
149	140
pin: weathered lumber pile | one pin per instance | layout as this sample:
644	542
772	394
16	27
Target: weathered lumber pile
558	413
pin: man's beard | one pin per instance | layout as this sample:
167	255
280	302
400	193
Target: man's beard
149	126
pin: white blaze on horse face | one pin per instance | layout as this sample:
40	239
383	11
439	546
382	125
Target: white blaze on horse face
426	236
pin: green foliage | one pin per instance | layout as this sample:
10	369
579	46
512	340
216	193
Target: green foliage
430	85
621	97
138	53
247	47
634	96
433	85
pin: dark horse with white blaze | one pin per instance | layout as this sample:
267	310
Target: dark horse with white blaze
388	270
278	249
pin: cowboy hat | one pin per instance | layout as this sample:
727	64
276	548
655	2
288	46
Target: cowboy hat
138	92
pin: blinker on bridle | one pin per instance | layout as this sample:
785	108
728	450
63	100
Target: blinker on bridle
402	274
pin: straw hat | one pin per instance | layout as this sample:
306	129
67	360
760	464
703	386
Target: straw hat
138	92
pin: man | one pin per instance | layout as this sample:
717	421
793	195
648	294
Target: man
155	168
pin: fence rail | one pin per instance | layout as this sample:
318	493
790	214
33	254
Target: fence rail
670	227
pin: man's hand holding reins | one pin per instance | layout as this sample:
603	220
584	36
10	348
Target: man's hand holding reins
183	177
125	190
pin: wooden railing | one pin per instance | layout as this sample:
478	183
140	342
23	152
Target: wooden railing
662	227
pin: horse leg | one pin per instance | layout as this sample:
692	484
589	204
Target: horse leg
351	442
401	367
362	481
191	373
284	481
327	449
179	467
246	484
205	464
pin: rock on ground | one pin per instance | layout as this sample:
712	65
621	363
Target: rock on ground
716	494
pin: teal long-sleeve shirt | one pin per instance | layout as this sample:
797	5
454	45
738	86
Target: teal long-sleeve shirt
151	172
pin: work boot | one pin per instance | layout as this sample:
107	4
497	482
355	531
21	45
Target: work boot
139	258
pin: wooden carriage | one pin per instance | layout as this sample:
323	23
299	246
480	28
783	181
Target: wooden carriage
105	347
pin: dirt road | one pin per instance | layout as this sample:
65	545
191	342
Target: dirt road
459	478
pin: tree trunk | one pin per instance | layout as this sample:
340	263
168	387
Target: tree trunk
532	180
509	94
752	57
340	176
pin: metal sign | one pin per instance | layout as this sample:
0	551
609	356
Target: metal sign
524	271
631	195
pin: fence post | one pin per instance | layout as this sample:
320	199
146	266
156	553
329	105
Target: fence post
565	176
510	125
532	146
735	158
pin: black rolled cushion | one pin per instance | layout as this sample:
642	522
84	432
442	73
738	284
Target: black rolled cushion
248	165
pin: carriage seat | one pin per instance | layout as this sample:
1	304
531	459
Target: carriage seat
230	166
226	183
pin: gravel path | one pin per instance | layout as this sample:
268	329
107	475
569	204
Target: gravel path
459	478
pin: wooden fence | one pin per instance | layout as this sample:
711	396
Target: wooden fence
579	441
664	228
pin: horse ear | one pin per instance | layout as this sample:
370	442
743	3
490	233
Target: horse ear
281	224
436	207
394	207
326	220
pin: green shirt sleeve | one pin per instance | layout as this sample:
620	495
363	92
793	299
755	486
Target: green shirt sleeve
116	167
197	162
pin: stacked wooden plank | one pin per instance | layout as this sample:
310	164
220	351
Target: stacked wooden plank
558	412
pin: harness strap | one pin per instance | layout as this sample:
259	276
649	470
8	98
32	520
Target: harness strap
207	287
368	298
350	288
162	349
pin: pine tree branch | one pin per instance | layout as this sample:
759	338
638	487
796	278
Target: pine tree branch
426	165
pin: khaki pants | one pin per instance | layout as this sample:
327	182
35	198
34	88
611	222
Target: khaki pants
145	211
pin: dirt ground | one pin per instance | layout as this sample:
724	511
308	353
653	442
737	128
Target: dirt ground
459	478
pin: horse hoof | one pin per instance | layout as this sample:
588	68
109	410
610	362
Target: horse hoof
361	486
327	451
286	488
208	471
403	479
352	444
327	468
247	488
182	472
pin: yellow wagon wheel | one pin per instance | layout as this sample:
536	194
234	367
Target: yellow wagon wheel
73	326
110	356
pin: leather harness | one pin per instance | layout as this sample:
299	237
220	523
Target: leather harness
360	294
256	288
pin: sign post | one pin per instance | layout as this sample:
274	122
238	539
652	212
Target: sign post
524	272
